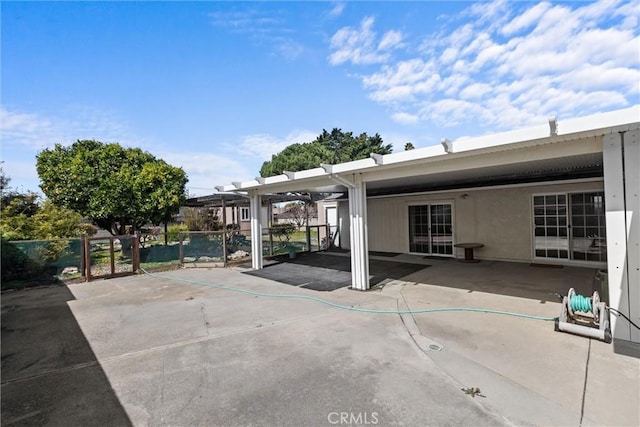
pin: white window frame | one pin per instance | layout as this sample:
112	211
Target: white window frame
430	202
561	261
245	214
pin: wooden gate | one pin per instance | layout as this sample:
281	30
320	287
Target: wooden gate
102	261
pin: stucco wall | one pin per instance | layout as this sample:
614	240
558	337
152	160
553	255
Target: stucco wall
498	218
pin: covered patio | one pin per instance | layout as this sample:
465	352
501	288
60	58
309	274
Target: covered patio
329	271
520	194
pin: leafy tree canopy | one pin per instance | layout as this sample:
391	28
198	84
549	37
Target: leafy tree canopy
119	189
329	147
24	217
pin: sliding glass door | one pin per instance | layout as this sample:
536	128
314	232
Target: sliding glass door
570	226
430	229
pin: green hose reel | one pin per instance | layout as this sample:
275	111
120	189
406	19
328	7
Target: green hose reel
584	316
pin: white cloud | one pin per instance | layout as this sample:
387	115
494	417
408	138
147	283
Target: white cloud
337	9
390	40
242	163
405	118
402	81
264	146
525	20
26	129
504	64
358	45
475	91
37	131
287	47
245	21
261	28
206	170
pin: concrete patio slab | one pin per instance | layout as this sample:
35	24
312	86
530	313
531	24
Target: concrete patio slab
176	353
585	377
180	350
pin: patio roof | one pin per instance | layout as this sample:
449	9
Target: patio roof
237	199
485	160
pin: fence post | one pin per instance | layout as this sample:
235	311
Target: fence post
224	248
270	242
87	259
112	256
135	252
308	238
181	247
82	264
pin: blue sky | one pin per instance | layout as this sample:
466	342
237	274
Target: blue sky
218	87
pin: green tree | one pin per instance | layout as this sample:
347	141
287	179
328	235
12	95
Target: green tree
119	189
14	203
25	217
409	146
329	147
53	222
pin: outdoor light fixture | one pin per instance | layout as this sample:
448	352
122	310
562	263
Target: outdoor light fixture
448	145
553	125
464	196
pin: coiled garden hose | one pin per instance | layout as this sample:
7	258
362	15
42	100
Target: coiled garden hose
580	303
585	304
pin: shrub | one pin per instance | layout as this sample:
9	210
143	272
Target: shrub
16	264
174	230
283	231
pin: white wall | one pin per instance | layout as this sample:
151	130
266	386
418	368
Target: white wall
501	219
622	199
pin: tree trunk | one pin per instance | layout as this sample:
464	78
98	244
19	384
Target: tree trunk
166	233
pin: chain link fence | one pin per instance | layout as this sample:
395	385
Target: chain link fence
41	260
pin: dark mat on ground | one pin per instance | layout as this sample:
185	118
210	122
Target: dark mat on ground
338	250
545	265
387	254
374	253
328	273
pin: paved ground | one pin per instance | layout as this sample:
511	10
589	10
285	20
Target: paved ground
328	272
169	351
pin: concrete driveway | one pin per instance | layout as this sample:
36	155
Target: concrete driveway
172	351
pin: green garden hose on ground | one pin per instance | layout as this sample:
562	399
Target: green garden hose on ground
346	307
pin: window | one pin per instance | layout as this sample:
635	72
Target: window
245	214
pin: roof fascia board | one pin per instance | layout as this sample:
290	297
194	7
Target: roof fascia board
413	155
622	119
353	166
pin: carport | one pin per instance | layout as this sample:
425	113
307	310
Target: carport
595	153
